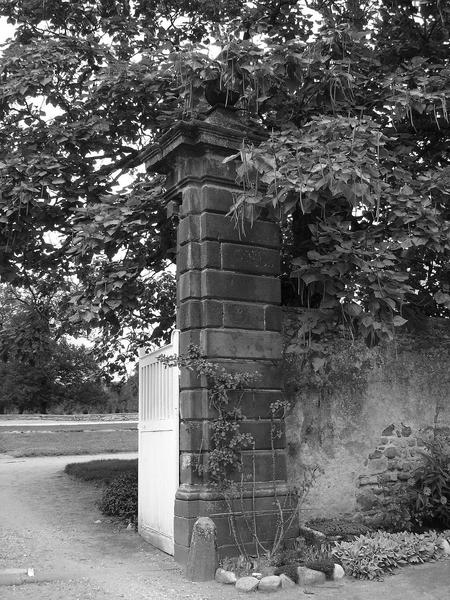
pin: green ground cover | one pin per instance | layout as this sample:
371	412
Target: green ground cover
102	471
57	443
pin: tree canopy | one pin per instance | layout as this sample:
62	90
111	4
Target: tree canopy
353	98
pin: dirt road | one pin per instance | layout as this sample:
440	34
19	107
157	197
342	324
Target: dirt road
49	522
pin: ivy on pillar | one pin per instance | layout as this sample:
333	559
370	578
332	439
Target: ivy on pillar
228	304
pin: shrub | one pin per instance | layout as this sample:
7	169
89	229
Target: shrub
120	498
102	471
431	495
339	527
376	554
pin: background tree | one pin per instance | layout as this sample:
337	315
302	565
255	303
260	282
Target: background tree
40	370
352	94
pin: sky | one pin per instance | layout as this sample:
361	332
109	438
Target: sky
6	30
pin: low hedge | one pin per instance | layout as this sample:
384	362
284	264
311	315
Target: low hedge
120	498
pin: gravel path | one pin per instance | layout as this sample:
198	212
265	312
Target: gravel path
48	522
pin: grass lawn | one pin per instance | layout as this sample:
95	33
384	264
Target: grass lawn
101	471
58	443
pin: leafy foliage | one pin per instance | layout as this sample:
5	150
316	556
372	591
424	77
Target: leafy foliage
431	495
374	555
354	99
39	368
120	498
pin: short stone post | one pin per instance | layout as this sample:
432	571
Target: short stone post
202	558
228	304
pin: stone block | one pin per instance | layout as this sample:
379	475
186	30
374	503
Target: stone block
194	436
242	315
196	255
265	433
266	372
237	286
194	404
250	259
206	198
189	286
272	318
264	465
222	228
189	337
212	313
220	343
189	462
189	315
188	230
256	404
188	257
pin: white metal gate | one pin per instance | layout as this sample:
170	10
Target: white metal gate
158	446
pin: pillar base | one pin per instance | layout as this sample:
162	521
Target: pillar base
247	517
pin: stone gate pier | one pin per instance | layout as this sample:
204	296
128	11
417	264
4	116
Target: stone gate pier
228	304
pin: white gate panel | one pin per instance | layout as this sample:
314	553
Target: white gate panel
158	446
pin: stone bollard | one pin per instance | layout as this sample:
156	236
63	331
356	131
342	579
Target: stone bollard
202	558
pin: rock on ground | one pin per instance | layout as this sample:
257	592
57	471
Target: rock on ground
269	584
247	584
338	572
286	582
223	576
309	576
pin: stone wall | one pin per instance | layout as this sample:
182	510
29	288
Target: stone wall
365	437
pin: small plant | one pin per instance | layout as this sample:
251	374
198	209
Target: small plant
374	555
120	498
339	528
288	560
431	496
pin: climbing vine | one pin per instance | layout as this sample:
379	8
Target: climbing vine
226	438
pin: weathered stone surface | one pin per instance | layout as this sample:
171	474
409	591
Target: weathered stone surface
247	584
368	480
367	500
286	582
271	583
391	452
250	259
235	343
227	577
231	285
309	576
202	558
389	430
338	572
